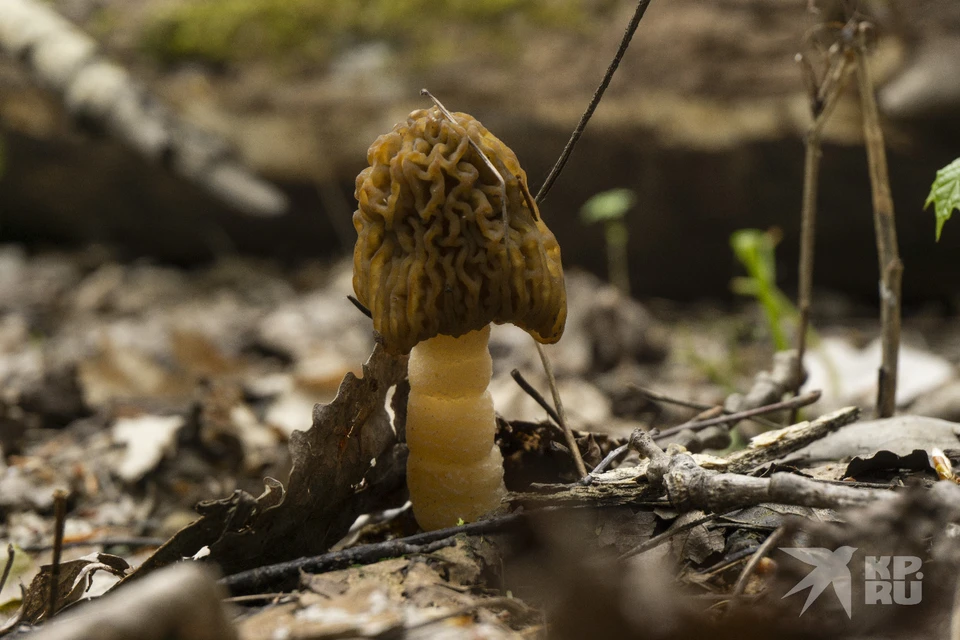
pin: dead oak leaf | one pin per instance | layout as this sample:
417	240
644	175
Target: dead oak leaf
73	580
342	467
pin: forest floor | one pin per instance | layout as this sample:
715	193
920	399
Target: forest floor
132	392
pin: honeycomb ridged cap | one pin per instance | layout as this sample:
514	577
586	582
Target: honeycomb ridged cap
442	247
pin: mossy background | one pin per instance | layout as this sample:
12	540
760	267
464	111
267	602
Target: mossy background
311	31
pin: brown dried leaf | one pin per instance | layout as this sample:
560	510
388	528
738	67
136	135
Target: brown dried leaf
331	483
72	583
390	598
623	529
698	543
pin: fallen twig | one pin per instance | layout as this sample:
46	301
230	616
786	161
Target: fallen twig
699	406
511	604
656	541
60	518
536	395
360	306
626	490
6	567
270	576
759	555
690	486
561	415
775	445
799	401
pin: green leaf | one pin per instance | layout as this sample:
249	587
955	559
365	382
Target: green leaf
607	205
945	193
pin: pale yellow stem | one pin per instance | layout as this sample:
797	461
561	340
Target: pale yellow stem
455	470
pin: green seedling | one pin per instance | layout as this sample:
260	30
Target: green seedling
610	208
945	194
755	251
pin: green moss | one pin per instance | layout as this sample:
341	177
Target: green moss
225	31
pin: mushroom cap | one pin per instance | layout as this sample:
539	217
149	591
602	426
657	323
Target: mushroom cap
445	247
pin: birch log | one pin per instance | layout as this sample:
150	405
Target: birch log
96	90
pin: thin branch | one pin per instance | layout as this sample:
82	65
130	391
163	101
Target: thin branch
476	147
561	414
536	395
760	554
606	462
505	602
822	103
258	597
271	575
60	518
799	401
597	95
656	541
891	268
690	486
360	306
9	565
699	406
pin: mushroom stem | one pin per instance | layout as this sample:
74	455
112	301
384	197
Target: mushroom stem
455	470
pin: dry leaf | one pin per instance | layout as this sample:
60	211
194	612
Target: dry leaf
342	466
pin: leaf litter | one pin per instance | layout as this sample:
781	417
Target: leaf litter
155	391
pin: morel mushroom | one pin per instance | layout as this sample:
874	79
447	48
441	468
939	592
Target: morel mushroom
449	240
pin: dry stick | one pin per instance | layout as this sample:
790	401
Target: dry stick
268	575
504	212
759	555
548	183
536	395
799	401
360	306
822	106
257	597
891	268
656	541
504	602
561	414
597	95
533	393
699	406
9	565
60	517
706	414
694	425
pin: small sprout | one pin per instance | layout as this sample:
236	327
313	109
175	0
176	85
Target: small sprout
460	522
755	250
610	208
945	194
